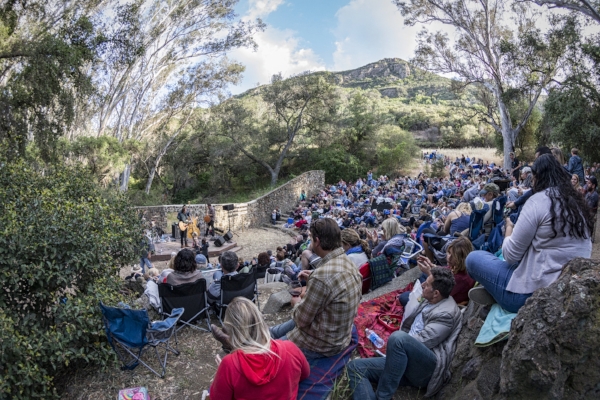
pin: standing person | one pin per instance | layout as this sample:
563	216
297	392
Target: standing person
322	319
554	227
183	216
515	164
210	211
147	247
576	165
258	367
591	195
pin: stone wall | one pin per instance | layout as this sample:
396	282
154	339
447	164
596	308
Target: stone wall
245	215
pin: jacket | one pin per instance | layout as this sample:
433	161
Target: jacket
261	376
442	325
576	167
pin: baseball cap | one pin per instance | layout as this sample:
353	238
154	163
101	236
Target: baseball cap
593	180
200	259
489	187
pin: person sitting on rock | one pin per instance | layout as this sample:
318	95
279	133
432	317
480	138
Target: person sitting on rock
554	226
420	353
229	265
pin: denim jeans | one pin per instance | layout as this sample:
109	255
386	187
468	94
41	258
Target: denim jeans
408	363
280	332
143	262
494	274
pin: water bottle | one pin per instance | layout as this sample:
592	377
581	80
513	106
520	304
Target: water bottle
374	338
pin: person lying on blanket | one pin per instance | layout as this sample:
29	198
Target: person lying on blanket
420	353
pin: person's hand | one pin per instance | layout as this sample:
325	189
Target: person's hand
511	204
296	300
304	274
424	265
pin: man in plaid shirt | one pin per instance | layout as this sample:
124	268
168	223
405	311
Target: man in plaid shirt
321	324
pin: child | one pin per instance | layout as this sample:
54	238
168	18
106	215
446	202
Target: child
152	274
196	241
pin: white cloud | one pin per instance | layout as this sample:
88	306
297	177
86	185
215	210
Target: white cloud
369	30
278	51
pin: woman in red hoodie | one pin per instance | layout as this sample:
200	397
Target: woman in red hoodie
258	367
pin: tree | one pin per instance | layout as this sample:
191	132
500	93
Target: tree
503	64
45	52
590	8
188	38
301	105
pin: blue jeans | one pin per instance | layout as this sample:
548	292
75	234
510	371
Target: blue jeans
280	331
408	363
143	262
493	274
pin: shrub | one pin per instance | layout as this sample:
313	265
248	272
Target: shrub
62	243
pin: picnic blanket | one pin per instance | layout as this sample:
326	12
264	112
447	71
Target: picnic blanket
368	317
324	372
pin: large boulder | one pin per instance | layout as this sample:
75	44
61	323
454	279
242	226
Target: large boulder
553	351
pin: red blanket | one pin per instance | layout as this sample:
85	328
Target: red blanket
373	314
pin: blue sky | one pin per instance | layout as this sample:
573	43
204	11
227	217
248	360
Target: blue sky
315	35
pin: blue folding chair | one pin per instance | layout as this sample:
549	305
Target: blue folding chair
130	334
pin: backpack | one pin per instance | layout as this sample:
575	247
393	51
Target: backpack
381	271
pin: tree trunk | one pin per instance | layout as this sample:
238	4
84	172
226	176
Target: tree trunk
125	178
507	132
157	161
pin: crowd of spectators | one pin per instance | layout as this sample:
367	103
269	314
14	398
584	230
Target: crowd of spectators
548	219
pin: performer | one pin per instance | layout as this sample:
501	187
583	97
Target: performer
210	224
183	216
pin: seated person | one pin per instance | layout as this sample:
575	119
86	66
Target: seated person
390	228
356	249
456	255
185	269
458	220
258	367
229	264
420	353
201	262
554	227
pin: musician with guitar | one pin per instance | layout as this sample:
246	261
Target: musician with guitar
209	218
183	217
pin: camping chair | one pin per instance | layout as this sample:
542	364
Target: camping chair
261	271
130	334
232	286
192	297
498	209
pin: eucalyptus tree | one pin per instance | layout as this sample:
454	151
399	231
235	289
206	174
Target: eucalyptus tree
590	8
497	49
172	37
302	105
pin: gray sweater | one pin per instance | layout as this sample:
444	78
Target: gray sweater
442	327
540	256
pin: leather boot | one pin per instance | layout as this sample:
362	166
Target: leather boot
221	336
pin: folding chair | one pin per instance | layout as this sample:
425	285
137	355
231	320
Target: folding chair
192	297
232	286
130	334
261	271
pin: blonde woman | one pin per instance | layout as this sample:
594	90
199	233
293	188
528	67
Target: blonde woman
391	228
458	220
356	249
258	367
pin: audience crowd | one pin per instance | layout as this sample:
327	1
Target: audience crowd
541	215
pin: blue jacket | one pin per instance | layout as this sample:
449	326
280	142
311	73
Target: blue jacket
576	167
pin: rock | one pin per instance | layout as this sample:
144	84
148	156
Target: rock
277	301
553	349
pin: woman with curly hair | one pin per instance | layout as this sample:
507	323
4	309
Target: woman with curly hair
185	269
554	226
258	367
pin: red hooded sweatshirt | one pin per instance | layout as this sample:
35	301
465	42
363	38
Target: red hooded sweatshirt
261	376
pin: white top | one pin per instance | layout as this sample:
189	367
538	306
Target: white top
541	256
358	258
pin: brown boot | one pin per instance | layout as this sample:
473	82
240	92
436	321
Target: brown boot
221	336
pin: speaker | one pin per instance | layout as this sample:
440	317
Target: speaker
219	241
228	236
228	207
175	232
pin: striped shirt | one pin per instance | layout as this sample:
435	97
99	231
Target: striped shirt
325	315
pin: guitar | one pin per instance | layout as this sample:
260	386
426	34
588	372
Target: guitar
182	226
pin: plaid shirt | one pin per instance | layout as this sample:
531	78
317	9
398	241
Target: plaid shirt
325	316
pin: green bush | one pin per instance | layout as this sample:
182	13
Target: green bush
62	242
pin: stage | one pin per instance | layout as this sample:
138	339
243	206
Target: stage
163	250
